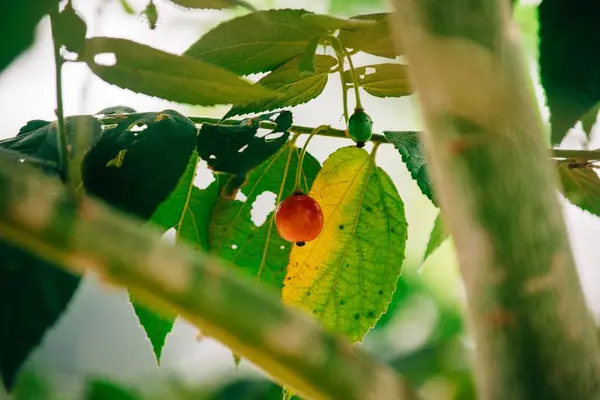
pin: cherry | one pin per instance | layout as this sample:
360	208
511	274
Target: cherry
299	218
360	127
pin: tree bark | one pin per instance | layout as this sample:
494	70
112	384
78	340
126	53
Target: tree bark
534	336
83	235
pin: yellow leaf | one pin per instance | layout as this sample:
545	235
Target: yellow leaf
346	277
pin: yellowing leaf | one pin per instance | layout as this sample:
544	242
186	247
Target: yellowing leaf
346	277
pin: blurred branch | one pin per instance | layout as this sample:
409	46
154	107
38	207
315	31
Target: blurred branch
534	336
83	235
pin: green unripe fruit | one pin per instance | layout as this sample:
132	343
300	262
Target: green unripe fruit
360	127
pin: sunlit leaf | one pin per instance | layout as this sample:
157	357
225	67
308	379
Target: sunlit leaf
581	186
346	277
437	236
374	39
234	236
409	147
257	42
176	78
382	80
292	87
212	4
237	149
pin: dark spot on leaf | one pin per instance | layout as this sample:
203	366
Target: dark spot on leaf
371	314
356	316
381	292
393	230
342	302
369	208
341	227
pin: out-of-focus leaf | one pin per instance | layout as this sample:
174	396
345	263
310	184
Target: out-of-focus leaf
256	42
437	236
350	7
409	147
589	120
292	87
581	186
237	149
374	39
176	78
346	276
127	7
569	61
382	80
105	390
329	22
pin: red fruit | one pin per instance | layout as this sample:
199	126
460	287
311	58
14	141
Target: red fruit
299	219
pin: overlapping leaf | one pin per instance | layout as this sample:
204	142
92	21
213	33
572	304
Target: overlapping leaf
374	39
581	186
212	4
329	22
409	147
259	250
153	72
237	149
257	42
382	80
346	277
437	236
292	87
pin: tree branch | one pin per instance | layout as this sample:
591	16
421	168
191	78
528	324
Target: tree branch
82	235
534	336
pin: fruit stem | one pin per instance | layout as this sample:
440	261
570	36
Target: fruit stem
340	58
298	185
354	79
61	132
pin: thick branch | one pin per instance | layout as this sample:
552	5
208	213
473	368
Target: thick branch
534	335
83	235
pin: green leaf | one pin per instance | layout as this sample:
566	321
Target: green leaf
349	7
382	80
437	236
589	119
33	296
292	87
307	59
237	149
128	166
346	276
105	390
409	147
568	62
373	39
259	250
581	186
18	22
331	23
127	7
181	79
212	4
257	42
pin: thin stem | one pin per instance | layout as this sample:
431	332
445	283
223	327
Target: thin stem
61	132
297	186
354	78
340	59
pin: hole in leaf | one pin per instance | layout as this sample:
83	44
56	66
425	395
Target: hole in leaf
106	59
262	132
282	247
262	207
370	70
273	136
169	235
138	127
234	246
242	149
241	196
204	176
212	157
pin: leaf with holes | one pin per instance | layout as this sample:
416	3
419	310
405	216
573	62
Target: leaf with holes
437	236
581	186
382	80
409	147
258	249
257	42
292	87
168	76
374	39
346	277
212	4
237	149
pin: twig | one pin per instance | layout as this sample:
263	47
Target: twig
61	132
